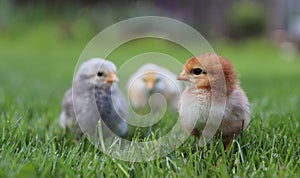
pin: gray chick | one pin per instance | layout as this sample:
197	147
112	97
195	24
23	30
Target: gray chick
94	96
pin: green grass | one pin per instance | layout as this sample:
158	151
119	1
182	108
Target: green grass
37	67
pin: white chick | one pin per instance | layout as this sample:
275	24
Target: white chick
151	79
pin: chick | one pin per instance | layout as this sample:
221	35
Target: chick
199	74
94	96
150	79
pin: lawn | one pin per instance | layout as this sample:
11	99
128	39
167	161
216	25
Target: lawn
37	66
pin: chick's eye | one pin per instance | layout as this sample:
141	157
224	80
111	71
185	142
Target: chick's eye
99	74
198	71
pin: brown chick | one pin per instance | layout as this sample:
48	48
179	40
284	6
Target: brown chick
204	76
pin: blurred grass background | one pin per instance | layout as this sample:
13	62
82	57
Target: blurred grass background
40	46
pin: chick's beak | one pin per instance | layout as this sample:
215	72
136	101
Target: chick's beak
182	76
112	78
150	85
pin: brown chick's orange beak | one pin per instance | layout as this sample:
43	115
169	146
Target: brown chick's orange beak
112	78
182	76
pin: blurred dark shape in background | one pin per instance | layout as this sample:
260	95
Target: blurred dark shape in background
232	19
246	18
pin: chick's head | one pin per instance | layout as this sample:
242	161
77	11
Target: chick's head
152	81
97	72
201	71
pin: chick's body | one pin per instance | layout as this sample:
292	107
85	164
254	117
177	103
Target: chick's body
200	73
94	96
150	79
113	108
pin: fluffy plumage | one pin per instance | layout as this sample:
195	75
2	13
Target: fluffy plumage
150	79
94	96
195	102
